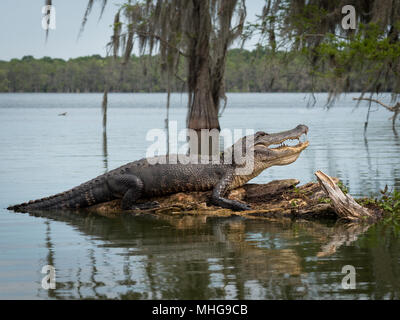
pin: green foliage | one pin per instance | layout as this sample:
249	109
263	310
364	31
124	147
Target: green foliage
3	80
342	187
296	190
324	200
369	52
390	203
259	70
342	56
83	74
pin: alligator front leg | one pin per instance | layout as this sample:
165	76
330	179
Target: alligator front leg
131	187
221	189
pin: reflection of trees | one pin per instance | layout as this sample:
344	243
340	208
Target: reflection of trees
383	247
187	257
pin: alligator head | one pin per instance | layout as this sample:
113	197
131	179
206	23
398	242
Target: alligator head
280	148
263	150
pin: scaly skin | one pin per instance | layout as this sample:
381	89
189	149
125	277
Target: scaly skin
140	179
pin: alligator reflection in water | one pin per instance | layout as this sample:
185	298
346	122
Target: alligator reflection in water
190	257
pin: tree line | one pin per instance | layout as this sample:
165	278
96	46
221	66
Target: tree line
246	71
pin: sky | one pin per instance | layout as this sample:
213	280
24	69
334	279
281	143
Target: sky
21	31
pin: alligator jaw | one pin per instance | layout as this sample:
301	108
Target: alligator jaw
277	148
300	146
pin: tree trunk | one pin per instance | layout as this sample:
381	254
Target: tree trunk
202	116
202	113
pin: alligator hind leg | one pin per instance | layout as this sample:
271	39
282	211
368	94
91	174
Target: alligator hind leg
129	199
221	189
131	187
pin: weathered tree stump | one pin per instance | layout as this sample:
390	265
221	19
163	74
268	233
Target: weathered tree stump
344	204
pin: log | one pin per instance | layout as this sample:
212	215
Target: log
279	198
276	199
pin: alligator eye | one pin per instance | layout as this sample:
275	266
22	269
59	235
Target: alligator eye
261	133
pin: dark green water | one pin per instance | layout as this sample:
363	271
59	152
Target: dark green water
186	257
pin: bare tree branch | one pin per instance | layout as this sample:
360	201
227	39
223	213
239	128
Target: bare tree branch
392	109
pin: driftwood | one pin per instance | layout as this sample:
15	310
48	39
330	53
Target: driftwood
344	204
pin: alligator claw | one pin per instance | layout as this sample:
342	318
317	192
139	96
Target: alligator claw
244	208
238	206
145	206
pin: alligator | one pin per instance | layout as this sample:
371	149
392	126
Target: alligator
144	179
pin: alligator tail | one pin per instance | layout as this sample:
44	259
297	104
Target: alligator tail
83	196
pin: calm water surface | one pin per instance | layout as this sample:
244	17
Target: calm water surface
42	153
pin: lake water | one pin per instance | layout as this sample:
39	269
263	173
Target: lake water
42	153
